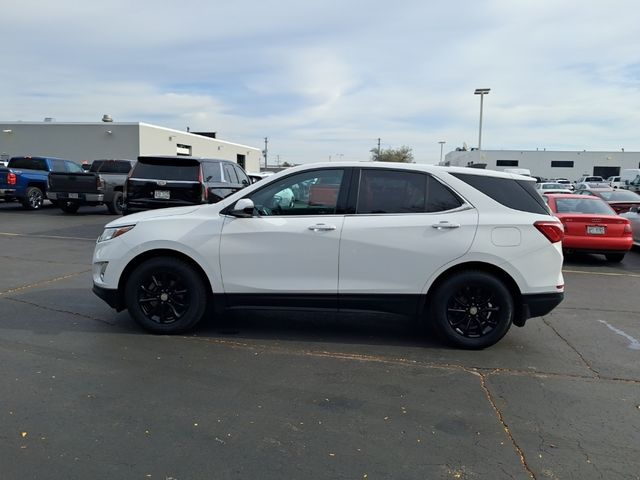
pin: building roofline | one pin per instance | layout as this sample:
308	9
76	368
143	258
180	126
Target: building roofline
138	124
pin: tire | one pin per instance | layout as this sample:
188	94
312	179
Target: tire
116	204
165	295
614	257
68	207
472	310
33	198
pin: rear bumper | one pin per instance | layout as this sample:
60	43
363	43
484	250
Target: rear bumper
7	192
537	305
79	198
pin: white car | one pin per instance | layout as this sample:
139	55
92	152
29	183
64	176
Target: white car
552	187
471	251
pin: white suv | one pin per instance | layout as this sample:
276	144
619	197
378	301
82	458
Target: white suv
471	251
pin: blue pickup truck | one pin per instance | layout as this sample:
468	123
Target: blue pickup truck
26	179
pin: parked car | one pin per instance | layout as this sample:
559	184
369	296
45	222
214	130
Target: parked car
633	216
256	177
590	178
160	182
614	181
591	226
471	251
26	179
552	187
620	200
103	184
566	182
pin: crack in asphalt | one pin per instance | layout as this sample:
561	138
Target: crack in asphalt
584	360
59	310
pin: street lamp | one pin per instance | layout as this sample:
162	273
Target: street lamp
482	92
441	142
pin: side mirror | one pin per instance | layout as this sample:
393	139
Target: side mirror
245	182
243	208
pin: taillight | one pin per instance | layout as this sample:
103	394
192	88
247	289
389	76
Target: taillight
11	178
627	230
99	183
553	231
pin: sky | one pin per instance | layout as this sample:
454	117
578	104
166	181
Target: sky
324	80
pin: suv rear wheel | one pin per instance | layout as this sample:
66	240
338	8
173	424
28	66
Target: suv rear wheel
472	309
165	295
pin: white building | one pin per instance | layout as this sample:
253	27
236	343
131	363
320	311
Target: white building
107	139
546	163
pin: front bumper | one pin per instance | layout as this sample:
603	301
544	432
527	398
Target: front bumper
111	296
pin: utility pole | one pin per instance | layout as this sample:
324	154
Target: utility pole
441	142
266	142
378	149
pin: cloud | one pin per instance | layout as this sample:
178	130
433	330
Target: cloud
329	78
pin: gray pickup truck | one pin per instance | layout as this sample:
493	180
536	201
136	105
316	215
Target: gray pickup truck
101	185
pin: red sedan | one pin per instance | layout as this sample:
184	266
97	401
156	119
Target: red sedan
591	226
619	199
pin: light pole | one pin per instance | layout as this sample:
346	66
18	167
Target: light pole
441	142
482	92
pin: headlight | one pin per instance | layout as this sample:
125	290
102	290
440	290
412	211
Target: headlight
111	233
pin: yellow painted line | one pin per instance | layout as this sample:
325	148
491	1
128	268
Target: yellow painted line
55	237
608	274
43	282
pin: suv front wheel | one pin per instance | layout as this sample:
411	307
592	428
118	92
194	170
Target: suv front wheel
472	309
165	295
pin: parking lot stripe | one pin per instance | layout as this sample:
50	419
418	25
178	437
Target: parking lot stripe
610	274
634	342
43	282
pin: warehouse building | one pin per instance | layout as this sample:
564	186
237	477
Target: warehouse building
546	163
108	139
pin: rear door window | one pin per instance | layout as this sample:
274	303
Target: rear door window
517	194
391	191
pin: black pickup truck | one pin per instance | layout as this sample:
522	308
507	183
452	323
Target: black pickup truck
101	185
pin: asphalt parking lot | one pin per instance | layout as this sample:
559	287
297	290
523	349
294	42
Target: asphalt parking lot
87	394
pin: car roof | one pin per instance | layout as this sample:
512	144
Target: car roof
420	167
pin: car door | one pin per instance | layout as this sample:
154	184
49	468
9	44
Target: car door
288	247
407	225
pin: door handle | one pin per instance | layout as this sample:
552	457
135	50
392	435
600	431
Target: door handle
442	225
322	227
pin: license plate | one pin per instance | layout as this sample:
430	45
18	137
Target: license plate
162	194
73	195
595	230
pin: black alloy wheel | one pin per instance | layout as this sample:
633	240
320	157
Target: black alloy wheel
472	309
116	206
165	295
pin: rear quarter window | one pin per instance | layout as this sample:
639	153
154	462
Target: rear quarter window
516	194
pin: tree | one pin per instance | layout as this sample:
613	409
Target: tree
403	154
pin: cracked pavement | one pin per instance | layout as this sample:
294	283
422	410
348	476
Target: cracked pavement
303	395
